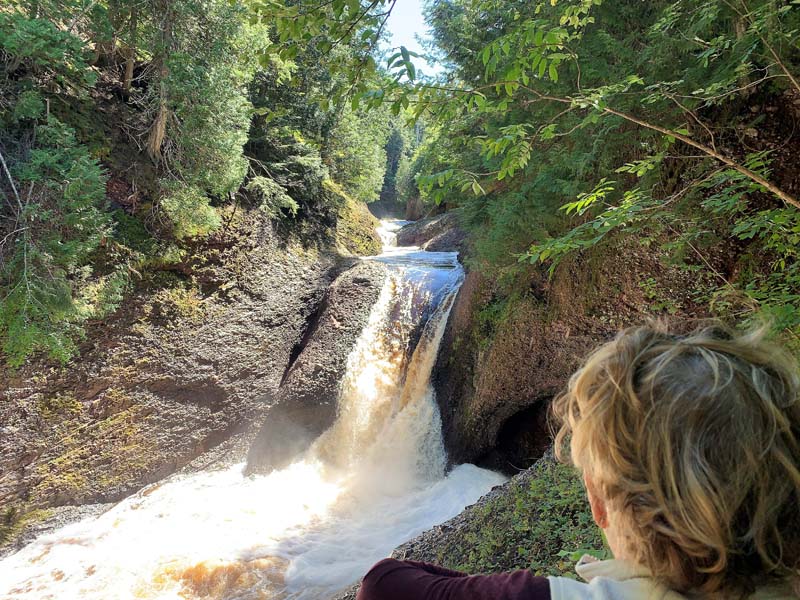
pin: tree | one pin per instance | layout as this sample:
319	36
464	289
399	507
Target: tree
52	189
63	261
355	152
394	154
625	109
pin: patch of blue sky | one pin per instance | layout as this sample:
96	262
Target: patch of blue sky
405	25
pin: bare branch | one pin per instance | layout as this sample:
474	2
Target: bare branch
11	181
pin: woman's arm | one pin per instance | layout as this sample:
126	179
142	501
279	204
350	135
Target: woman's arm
393	579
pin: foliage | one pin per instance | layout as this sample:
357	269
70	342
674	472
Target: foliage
273	196
165	94
53	191
177	302
355	152
557	126
327	28
395	146
191	215
621	115
287	173
299	140
204	54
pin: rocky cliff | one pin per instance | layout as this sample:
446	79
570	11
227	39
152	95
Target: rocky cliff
193	358
305	404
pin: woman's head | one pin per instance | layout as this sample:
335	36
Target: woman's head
693	442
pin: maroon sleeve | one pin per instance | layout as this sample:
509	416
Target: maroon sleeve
393	579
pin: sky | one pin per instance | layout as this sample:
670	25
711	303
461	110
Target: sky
405	21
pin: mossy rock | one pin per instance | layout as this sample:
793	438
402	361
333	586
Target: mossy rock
14	521
355	226
101	460
540	520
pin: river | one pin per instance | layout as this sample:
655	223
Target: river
375	479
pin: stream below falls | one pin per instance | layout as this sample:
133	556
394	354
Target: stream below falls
375	479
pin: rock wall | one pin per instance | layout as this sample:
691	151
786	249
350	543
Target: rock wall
194	357
305	404
441	233
493	387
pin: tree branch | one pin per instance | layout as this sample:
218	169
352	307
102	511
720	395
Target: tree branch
11	181
752	175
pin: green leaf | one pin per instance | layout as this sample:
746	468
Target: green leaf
411	71
393	58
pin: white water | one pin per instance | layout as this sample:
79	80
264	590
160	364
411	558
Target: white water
374	480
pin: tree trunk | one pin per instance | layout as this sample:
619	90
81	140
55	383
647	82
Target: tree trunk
130	60
158	129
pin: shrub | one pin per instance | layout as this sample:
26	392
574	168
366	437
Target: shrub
272	196
189	211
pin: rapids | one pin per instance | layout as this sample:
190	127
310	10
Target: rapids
375	479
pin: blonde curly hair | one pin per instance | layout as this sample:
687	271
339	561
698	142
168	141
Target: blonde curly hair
694	439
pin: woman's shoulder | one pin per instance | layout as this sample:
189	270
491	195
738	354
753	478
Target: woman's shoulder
607	588
620	580
392	579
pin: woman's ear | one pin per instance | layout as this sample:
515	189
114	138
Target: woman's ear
598	504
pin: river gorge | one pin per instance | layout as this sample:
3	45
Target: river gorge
290	286
375	479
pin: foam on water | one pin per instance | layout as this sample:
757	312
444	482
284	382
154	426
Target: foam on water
374	480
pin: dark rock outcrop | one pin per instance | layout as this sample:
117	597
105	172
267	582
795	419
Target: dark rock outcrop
442	233
493	395
504	356
306	402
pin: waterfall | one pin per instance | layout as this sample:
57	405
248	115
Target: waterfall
375	479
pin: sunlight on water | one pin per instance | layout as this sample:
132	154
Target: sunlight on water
387	231
374	480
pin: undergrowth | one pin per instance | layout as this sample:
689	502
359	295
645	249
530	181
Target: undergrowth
541	522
